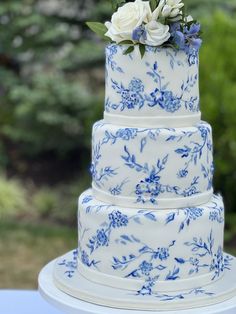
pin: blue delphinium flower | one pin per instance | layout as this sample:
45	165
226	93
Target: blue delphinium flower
118	219
139	34
187	38
146	268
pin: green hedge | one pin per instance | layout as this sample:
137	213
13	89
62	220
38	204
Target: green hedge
218	99
52	83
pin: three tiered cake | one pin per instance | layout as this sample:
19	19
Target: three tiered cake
150	230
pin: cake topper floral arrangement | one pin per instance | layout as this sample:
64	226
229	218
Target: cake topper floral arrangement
157	23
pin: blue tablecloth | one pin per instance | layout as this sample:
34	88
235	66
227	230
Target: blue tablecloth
24	302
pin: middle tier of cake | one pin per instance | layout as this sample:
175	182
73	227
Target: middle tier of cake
152	167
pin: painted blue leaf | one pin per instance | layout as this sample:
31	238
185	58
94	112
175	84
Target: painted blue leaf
170	218
160	267
150	216
180	151
133	274
135	239
143	143
151	135
144	249
137	220
125	237
181	227
115	259
171	138
180	260
164	160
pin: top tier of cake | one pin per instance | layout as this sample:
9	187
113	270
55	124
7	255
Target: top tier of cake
159	90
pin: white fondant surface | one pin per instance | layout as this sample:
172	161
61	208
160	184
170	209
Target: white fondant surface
162	84
152	168
151	250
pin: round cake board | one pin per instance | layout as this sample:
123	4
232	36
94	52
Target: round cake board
92	294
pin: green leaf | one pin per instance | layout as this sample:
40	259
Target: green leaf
117	3
126	42
98	28
142	50
153	4
128	50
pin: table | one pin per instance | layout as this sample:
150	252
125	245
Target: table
24	302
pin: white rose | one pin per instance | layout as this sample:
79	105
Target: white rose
168	9
156	34
126	19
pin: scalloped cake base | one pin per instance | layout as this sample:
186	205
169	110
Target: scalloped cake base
62	275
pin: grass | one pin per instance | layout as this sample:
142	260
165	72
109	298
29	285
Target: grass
26	247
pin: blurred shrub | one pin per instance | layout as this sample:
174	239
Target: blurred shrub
12	198
45	202
52	82
59	204
218	98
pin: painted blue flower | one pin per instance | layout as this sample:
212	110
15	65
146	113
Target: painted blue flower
169	102
85	258
112	49
136	85
163	253
118	219
195	212
182	173
146	268
87	198
213	216
130	99
192	56
203	131
102	239
127	133
218	262
190	191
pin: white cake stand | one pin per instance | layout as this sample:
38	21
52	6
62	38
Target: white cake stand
71	305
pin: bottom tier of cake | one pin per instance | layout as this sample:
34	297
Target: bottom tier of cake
150	250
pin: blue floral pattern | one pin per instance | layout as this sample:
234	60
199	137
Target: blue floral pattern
143	261
111	51
134	97
147	289
192	147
